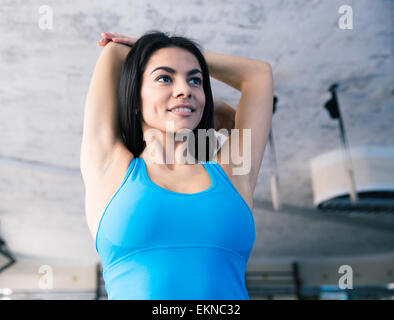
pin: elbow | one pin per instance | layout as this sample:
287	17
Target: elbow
259	69
265	67
260	74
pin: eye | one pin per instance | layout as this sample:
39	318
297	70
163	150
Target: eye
162	77
198	79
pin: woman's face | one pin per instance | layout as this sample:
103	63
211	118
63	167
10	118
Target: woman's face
163	89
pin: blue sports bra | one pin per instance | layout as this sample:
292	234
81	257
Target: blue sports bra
157	244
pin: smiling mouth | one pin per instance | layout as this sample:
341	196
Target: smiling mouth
181	113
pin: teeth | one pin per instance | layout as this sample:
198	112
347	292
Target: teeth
182	109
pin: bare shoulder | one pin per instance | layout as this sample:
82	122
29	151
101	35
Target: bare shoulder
240	182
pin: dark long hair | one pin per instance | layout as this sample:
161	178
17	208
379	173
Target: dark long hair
129	90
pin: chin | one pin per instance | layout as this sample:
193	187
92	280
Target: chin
183	129
175	125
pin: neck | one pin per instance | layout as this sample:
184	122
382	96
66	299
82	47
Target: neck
162	149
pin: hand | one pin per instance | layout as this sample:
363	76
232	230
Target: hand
116	37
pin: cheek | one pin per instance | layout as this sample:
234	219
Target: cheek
154	113
203	107
203	101
201	98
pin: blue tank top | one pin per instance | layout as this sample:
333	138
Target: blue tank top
157	244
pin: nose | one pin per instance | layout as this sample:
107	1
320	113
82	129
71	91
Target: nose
182	88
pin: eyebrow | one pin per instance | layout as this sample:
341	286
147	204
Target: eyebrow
172	71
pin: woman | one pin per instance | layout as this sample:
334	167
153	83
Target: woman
170	229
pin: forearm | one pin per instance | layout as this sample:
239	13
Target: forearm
233	70
106	73
117	53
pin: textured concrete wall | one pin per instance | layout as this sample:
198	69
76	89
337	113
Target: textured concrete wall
44	76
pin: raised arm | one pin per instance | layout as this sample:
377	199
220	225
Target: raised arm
100	126
224	115
254	79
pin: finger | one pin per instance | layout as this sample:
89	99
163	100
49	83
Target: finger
103	42
110	35
106	35
119	40
123	40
